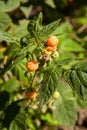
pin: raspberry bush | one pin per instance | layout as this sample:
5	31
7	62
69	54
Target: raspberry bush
43	68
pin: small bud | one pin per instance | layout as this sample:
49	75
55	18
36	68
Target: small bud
55	54
56	95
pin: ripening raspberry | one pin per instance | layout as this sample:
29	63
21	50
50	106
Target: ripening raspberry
52	41
31	95
32	65
50	49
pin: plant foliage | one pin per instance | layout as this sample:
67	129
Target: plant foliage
62	70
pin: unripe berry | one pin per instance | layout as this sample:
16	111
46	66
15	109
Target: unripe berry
56	95
55	54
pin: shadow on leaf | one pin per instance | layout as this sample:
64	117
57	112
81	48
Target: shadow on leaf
4	98
10	113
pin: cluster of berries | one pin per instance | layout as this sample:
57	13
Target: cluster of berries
51	45
33	65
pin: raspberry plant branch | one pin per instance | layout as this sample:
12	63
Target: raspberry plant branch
39	52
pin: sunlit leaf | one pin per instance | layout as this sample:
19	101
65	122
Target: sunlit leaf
5	36
64	28
50	3
20	30
19	71
5	20
26	10
70	45
11	85
65	110
9	5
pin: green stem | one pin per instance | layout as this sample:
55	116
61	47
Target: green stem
33	79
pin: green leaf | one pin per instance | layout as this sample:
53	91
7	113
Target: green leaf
19	71
67	55
5	20
9	5
19	122
70	45
50	3
29	48
81	103
13	49
49	83
11	85
35	28
81	66
5	36
48	118
14	118
12	61
64	28
39	18
30	124
65	110
20	30
19	56
48	29
26	10
77	78
35	25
